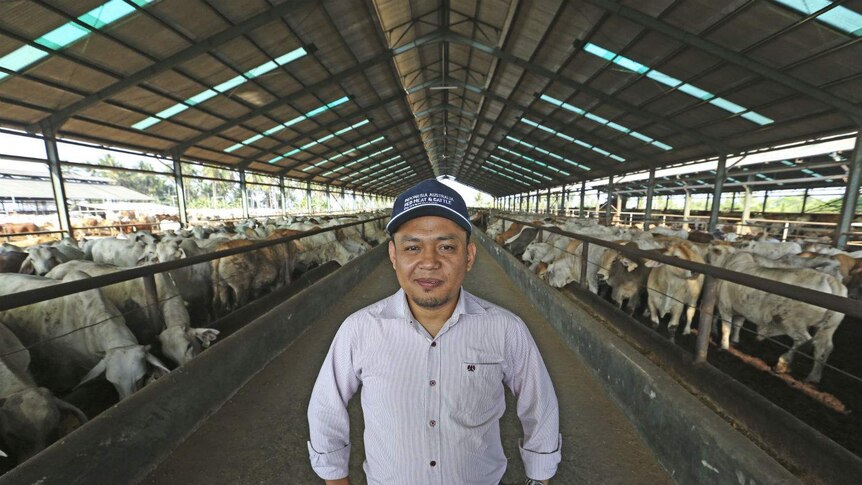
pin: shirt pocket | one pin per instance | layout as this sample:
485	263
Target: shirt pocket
481	394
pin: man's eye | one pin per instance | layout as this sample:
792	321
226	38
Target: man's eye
411	248
447	247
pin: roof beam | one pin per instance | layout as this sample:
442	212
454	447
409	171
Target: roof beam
402	151
852	111
349	119
333	151
431	38
717	145
206	45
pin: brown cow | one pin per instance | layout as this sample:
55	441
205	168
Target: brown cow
19	227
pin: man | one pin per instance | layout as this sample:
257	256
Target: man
432	360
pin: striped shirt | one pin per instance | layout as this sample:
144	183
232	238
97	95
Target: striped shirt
432	405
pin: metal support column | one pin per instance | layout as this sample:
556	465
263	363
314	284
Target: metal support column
608	216
244	193
57	180
308	197
648	203
746	207
720	175
562	208
804	201
686	210
528	201
583	196
181	191
851	196
283	193
548	202
765	198
732	201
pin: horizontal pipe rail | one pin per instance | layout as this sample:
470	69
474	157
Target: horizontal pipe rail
29	297
846	306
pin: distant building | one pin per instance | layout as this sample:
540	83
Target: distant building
30	192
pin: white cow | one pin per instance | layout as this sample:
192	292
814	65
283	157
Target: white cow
30	416
672	289
76	338
41	259
122	252
777	315
179	341
771	250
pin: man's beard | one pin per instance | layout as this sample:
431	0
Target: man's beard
431	302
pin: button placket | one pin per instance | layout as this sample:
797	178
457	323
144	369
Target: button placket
433	403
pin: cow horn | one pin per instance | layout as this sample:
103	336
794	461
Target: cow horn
152	359
95	372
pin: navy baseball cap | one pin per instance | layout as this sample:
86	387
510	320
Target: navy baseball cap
429	198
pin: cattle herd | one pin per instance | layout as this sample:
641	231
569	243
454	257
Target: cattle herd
659	290
50	348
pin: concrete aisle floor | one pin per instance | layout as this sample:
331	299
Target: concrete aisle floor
260	435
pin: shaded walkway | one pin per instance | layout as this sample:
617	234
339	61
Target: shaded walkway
259	435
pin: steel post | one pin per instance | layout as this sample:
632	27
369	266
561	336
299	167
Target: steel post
851	196
585	254
707	311
180	186
57	183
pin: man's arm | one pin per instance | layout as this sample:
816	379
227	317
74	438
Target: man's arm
328	421
537	407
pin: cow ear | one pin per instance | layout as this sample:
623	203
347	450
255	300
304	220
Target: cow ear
206	335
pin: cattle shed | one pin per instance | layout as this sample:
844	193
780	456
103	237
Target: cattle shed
525	100
509	97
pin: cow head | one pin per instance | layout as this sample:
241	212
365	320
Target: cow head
125	368
31	420
169	251
182	344
718	253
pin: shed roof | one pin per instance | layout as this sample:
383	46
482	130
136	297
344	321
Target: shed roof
42	189
374	95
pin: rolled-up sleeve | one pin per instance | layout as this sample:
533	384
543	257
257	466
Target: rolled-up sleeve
537	408
328	421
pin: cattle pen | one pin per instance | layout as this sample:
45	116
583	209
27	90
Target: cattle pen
194	195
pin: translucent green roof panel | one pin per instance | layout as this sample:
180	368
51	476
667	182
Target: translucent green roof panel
70	32
840	17
674	83
603	121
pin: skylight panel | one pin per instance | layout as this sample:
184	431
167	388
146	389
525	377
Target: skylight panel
489	169
366	157
507	169
222	87
507	162
277	128
537	162
764	177
572	140
69	33
602	121
842	18
546	152
674	83
317	142
372	174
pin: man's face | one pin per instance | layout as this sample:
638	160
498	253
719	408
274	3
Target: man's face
431	256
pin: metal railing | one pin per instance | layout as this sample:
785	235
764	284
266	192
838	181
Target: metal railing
839	304
29	297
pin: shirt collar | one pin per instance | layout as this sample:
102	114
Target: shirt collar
396	307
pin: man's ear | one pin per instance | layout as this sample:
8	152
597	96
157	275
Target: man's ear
392	252
471	255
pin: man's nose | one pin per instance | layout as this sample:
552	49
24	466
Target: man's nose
430	259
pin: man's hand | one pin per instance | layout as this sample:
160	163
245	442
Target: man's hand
340	481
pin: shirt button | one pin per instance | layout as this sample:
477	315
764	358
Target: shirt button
433	463
433	344
433	382
433	423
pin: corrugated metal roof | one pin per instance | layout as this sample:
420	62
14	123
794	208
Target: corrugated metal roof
41	189
446	84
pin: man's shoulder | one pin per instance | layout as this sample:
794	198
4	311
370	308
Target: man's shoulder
387	308
478	306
